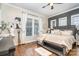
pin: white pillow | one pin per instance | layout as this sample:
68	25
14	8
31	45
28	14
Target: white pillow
67	32
52	32
56	32
41	37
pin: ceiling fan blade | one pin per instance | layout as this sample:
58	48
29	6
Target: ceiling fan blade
57	3
46	5
43	6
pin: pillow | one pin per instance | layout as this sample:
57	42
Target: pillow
56	32
52	32
41	37
67	32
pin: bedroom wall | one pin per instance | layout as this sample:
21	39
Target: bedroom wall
10	12
67	14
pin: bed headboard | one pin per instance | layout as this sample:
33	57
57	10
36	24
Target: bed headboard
71	27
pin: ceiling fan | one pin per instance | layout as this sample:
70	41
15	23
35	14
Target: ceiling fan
51	5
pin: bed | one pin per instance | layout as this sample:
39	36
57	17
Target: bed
59	43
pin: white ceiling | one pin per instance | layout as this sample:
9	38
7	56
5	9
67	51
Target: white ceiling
37	7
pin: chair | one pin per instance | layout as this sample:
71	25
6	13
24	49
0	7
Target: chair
7	47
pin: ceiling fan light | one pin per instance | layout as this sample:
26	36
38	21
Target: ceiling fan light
51	7
51	4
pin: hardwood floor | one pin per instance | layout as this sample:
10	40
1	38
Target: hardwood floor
26	50
29	50
74	51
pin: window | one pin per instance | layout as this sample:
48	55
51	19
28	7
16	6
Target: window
29	27
32	26
63	21
53	23
36	27
75	20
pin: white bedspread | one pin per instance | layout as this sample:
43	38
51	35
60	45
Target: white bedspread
60	39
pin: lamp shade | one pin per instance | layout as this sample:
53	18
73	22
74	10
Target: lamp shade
48	28
18	18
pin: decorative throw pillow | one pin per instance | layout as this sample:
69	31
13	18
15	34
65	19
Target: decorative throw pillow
41	37
67	32
56	32
52	31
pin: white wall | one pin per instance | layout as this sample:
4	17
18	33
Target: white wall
9	13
